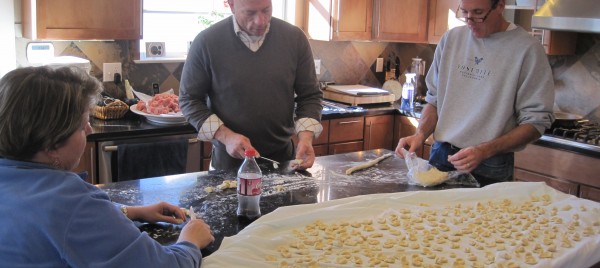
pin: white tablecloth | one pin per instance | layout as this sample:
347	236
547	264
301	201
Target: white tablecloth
262	238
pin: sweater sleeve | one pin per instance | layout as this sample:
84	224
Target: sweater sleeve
535	95
99	235
195	84
308	94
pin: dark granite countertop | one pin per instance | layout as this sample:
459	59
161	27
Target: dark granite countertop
326	180
135	126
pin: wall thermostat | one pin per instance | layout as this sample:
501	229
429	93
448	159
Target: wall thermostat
155	49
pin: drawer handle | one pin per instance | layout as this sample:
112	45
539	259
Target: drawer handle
349	122
114	148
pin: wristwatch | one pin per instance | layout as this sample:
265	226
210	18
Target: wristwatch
124	210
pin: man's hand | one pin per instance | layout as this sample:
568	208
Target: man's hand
305	150
411	143
235	144
467	159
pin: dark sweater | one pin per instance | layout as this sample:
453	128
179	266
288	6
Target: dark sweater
253	93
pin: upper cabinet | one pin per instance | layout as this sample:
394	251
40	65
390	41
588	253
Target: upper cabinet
554	42
339	20
400	21
82	19
442	17
379	20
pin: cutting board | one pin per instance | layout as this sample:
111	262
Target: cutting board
357	94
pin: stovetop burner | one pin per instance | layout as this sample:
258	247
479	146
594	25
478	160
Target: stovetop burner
584	134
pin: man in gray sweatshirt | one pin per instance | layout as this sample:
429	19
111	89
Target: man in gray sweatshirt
490	93
249	81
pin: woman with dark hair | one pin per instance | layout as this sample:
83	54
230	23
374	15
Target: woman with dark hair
50	216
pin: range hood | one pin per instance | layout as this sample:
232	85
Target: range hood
568	15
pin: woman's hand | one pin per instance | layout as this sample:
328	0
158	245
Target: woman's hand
161	211
197	232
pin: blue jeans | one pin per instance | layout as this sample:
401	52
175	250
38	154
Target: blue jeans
497	168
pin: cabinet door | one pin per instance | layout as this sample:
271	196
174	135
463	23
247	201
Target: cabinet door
401	20
352	20
590	193
442	17
559	43
339	20
87	162
82	19
379	132
561	185
346	129
346	147
556	163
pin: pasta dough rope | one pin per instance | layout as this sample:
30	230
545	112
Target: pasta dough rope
368	164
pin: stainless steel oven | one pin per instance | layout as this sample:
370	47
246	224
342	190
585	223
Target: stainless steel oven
107	154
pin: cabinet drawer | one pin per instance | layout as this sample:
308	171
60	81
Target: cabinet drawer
206	149
346	147
346	129
321	150
561	185
559	164
590	193
324	137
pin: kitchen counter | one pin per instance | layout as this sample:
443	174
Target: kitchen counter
325	181
134	126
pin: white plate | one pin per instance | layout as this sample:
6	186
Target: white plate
162	119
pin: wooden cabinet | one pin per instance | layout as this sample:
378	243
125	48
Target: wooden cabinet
87	163
378	133
400	21
346	135
206	153
554	42
563	170
442	17
559	43
339	20
82	19
405	126
320	144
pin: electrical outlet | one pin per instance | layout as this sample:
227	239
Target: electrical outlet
109	70
379	65
318	66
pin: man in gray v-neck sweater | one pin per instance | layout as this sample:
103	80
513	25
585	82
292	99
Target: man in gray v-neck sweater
260	95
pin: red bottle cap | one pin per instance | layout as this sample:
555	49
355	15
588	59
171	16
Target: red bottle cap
250	152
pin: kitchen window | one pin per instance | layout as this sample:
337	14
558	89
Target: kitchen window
177	22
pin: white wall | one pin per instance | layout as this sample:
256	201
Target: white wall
7	37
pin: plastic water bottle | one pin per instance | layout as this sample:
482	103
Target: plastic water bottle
249	188
408	92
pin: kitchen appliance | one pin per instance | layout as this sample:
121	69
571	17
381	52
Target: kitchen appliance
582	134
107	154
357	94
568	15
42	54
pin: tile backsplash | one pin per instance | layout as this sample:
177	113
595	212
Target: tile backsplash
577	77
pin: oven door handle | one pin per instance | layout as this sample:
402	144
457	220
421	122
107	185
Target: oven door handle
114	148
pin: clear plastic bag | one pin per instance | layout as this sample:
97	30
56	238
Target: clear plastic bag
420	172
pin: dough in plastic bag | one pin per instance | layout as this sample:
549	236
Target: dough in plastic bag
420	172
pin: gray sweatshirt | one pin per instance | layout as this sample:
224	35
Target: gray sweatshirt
485	87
